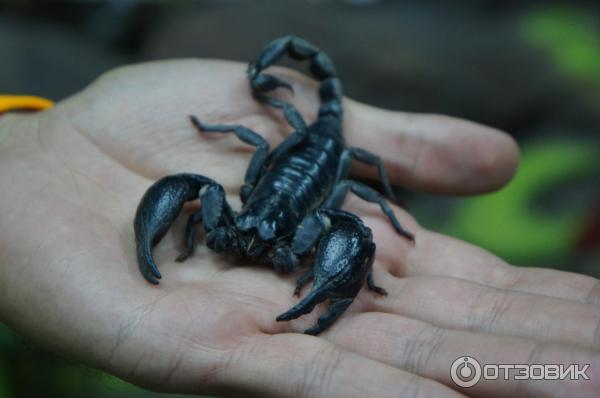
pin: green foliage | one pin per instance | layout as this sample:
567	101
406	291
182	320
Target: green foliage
4	382
511	225
571	35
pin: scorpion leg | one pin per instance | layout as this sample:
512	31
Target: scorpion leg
297	137
370	159
216	214
259	160
190	235
370	195
372	286
336	309
303	280
371	283
330	93
294	119
217	217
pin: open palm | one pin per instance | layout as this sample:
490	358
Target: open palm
70	281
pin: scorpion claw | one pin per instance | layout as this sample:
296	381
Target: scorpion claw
305	306
313	331
150	273
157	210
146	262
336	309
344	257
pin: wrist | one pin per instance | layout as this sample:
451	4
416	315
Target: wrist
15	129
18	149
13	125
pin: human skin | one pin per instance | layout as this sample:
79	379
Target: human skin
73	176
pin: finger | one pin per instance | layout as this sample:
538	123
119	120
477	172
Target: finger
441	255
459	304
434	153
437	254
295	365
420	348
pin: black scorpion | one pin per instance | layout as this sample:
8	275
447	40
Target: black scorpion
289	195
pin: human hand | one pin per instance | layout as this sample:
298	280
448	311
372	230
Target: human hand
69	279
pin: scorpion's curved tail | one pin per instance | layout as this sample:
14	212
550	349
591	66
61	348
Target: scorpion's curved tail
157	210
321	66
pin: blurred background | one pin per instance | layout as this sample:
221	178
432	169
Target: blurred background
531	68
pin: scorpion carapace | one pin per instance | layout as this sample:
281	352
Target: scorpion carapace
283	189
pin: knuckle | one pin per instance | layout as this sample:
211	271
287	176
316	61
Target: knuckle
488	309
593	296
421	347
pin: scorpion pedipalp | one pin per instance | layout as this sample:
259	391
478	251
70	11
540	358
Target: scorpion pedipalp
343	260
158	209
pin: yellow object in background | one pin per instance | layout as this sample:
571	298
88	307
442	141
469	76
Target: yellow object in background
23	102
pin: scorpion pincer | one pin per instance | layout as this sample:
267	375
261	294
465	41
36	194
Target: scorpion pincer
286	193
343	258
